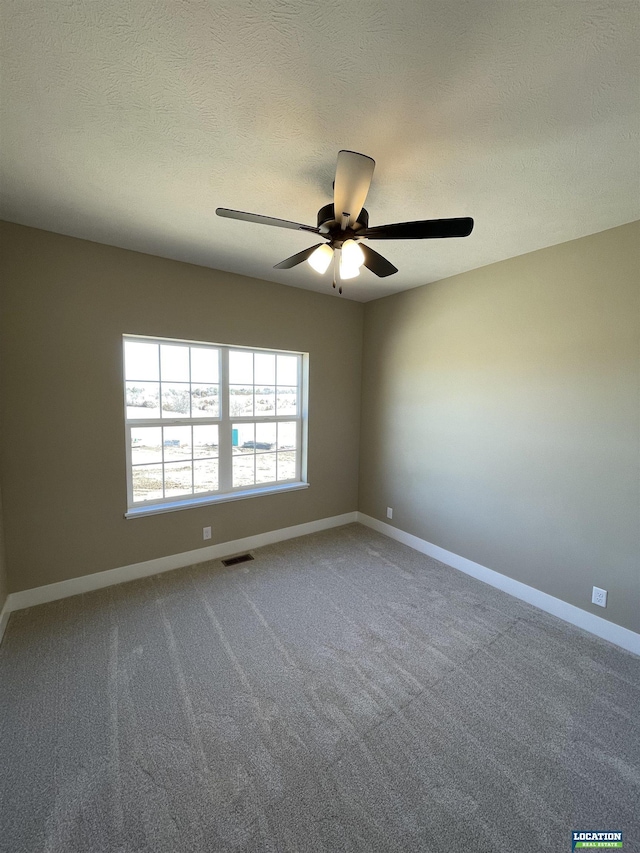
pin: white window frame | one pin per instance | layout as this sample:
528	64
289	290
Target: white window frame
226	491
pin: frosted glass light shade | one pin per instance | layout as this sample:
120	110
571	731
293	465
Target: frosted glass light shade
347	270
352	254
321	258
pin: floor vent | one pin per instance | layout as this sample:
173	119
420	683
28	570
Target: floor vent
233	561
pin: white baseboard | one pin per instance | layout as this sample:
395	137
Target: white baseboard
111	577
616	634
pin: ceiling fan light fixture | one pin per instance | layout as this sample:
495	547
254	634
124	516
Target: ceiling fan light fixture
347	270
321	258
352	254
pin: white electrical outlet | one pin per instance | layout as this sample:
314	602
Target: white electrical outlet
389	512
599	596
206	533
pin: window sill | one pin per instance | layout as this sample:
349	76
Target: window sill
156	509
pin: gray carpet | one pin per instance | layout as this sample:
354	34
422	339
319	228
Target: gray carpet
340	693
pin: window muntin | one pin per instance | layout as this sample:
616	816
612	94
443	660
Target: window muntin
205	421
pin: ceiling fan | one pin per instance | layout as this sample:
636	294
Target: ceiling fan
345	223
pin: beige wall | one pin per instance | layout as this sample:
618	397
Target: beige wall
4	586
500	418
65	305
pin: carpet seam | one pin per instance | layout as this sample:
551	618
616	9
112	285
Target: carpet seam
416	696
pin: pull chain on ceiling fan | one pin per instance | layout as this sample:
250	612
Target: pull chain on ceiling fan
345	223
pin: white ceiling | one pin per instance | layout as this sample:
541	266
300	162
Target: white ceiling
128	123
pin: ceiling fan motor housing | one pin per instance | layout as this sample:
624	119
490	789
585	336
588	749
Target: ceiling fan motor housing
327	215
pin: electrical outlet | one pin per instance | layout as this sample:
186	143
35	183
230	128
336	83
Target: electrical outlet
599	596
206	533
389	512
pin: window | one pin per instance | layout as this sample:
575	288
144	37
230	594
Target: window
206	423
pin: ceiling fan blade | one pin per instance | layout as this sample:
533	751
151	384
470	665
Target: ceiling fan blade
294	260
264	220
353	179
420	230
376	263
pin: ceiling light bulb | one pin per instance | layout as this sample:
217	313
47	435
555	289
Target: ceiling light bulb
352	254
321	258
347	270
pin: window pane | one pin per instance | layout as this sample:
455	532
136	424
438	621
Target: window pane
141	361
204	365
174	363
286	435
266	401
244	438
265	437
175	400
177	479
287	400
265	367
143	400
204	401
240	367
205	441
287	370
205	475
287	465
147	482
243	471
265	468
146	445
241	400
177	442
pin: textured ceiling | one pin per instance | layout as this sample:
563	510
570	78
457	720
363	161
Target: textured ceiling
128	123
